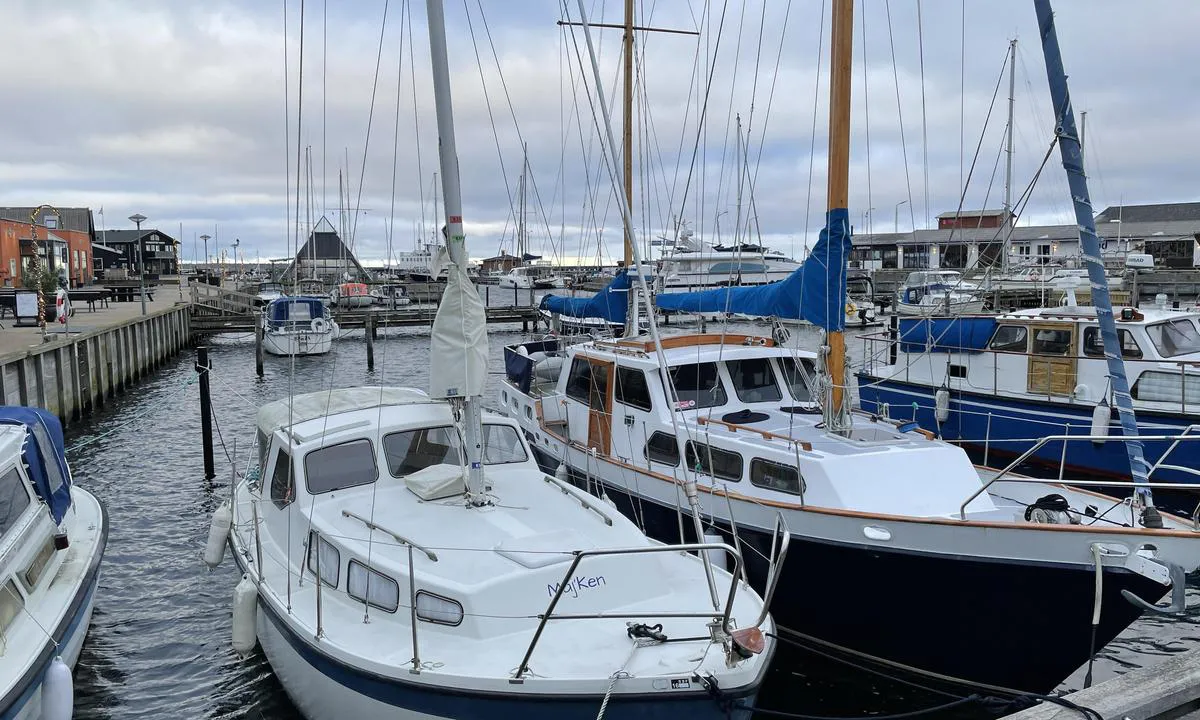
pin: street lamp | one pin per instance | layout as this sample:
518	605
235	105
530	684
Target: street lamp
865	215
138	219
236	268
896	219
205	239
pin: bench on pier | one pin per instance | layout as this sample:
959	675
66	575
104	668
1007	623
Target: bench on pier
129	293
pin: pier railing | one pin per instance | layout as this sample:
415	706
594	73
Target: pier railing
223	301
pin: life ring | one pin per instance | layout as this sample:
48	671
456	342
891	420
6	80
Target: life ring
61	306
320	325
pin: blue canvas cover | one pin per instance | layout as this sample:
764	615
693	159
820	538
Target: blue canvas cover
44	455
280	312
945	335
518	367
815	292
610	303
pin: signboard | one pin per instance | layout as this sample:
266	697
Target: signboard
26	306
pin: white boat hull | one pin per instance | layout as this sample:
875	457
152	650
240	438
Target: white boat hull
956	307
299	342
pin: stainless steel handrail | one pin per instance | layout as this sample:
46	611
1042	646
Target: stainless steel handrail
567	490
1186	431
962	510
775	564
398	537
579	555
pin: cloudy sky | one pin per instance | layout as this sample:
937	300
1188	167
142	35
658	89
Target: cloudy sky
182	111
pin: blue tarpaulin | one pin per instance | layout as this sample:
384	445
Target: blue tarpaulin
518	365
815	292
947	335
298	309
44	456
609	304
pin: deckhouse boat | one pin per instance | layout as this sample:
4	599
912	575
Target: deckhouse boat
692	265
944	292
52	537
1002	382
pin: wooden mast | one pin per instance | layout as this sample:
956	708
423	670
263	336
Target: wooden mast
840	50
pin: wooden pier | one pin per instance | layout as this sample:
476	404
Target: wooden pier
208	323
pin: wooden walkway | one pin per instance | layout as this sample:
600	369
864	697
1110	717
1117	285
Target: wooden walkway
353	319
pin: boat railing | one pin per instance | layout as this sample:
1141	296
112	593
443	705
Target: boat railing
1042	442
782	535
1161	462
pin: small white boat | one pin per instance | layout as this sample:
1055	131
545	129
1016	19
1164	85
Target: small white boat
268	291
298	326
312	287
938	292
391	295
52	537
351	295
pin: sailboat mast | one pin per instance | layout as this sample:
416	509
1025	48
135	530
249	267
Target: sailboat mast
1072	161
455	236
1012	89
737	224
840	49
627	124
521	239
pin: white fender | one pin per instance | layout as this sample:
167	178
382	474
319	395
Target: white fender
218	535
561	472
245	610
1100	419
58	692
718	558
941	403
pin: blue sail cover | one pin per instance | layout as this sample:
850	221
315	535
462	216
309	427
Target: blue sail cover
294	309
610	303
815	292
44	455
946	335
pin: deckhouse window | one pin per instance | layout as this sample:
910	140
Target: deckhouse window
588	384
632	389
412	450
798	374
714	462
1010	338
753	380
697	386
282	485
374	588
1093	344
1052	341
323	555
1167	387
1177	337
663	448
340	466
502	444
14	498
776	476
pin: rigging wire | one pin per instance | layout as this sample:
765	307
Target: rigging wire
924	128
370	118
900	113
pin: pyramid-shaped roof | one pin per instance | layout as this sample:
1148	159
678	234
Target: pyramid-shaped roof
325	255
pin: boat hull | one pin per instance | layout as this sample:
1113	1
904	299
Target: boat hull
324	689
957	307
298	342
1009	426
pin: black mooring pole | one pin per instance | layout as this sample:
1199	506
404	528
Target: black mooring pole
202	367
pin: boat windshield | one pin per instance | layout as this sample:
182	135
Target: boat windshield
753	380
697	386
1174	337
798	375
408	451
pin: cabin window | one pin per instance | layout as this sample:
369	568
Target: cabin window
697	386
282	483
340	466
37	566
588	385
1177	337
14	498
329	557
411	450
632	388
1052	341
663	448
958	371
776	476
714	462
374	588
1010	338
753	380
502	444
11	603
1167	387
1093	344
798	374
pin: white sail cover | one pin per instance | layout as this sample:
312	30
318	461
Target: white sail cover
458	350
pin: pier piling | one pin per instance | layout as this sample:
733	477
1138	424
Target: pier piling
258	349
370	329
202	367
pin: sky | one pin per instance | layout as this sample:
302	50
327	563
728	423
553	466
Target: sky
208	119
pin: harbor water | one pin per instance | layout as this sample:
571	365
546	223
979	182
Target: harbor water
159	645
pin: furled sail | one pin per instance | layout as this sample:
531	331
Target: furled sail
815	292
458	348
611	303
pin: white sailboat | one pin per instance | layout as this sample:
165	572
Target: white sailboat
497	591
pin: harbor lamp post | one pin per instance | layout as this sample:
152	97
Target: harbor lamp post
205	239
237	268
896	218
137	219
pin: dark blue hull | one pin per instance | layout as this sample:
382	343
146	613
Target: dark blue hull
1009	424
1017	624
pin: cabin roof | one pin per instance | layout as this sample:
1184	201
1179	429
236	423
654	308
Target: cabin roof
324	403
1080	313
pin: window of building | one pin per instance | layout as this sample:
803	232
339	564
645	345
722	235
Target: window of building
340	466
282	482
374	588
887	258
663	448
776	476
799	376
1175	337
954	255
632	388
1010	338
1093	344
714	462
1052	341
697	386
329	558
916	256
14	498
753	380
